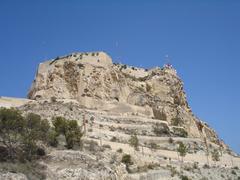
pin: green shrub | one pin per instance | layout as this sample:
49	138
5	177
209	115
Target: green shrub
133	141
123	67
182	149
59	124
172	170
206	166
41	151
11	128
150	166
52	138
120	150
195	165
148	87
3	153
35	129
215	155
113	139
126	159
233	172
184	177
70	129
73	134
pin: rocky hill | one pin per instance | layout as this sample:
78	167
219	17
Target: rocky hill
113	103
96	83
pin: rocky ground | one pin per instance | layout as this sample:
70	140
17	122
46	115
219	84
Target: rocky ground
107	139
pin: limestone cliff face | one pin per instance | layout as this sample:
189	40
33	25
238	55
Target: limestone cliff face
93	80
97	83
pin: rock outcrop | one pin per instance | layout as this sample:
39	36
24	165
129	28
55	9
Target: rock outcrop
97	83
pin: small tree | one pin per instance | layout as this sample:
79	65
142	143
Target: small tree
126	159
73	134
70	129
52	138
34	129
182	150
133	141
11	127
215	155
59	124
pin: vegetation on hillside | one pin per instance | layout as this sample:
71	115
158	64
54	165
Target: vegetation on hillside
134	142
23	138
70	129
215	155
182	150
20	136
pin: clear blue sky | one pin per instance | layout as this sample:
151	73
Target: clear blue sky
202	39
